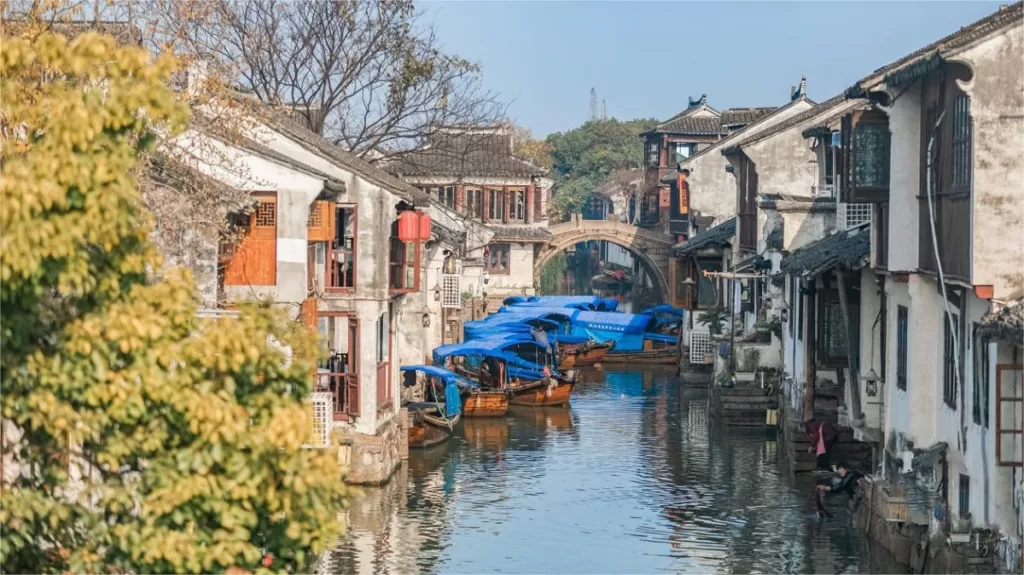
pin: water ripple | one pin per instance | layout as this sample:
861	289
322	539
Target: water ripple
631	479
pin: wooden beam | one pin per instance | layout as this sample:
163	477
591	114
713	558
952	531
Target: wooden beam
808	352
857	417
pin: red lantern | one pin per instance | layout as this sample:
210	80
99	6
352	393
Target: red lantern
424	227
408	226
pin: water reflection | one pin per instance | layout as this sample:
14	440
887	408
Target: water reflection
631	478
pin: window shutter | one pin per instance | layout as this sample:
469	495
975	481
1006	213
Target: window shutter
845	159
255	261
320	227
866	145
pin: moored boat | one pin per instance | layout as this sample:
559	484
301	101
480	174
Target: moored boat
578	355
431	420
514	362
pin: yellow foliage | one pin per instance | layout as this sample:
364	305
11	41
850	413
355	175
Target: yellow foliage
188	433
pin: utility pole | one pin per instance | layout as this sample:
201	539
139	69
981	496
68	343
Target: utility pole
593	104
604	109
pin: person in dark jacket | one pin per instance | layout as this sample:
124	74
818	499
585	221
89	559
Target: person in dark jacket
848	482
823	437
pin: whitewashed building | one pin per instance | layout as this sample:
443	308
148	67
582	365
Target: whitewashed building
939	157
473	172
321	240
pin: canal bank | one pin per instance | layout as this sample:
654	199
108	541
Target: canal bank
632	478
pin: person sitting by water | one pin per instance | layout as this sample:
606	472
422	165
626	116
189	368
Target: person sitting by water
823	438
848	482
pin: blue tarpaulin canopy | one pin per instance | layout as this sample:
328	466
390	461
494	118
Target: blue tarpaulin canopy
663	309
452	381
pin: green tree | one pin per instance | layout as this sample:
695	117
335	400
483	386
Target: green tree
585	157
552	274
136	437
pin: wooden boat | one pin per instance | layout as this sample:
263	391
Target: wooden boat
544	393
657	350
427	427
484	402
528	382
577	355
431	421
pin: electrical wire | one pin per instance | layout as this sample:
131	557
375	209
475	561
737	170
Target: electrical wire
942	278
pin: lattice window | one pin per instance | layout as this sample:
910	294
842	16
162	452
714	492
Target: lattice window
316	217
851	215
323	406
700	346
266	214
451	297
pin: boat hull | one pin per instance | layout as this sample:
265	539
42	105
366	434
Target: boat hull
423	435
664	356
580	355
544	396
485	404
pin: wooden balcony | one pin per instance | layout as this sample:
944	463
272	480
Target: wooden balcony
345	389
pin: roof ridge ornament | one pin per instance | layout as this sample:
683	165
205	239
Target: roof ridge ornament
798	93
699	102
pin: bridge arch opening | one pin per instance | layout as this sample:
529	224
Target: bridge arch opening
651	268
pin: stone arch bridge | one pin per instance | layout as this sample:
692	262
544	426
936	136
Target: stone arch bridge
653	249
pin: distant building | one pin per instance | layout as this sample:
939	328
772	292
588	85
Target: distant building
680	137
473	172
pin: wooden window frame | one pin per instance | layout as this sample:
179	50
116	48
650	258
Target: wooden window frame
830	297
902	345
495	204
255	234
952	201
474	203
490	252
853	124
949	372
347	406
399	269
981	387
746	216
1000	432
517	211
331	248
880	225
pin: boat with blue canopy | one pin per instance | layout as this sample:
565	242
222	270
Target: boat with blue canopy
636	337
476	401
434	403
670	319
588	302
514	361
572	350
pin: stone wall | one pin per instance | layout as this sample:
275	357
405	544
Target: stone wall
909	543
371	459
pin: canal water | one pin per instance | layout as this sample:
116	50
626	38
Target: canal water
632	478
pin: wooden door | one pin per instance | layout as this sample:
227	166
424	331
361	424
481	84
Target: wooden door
255	260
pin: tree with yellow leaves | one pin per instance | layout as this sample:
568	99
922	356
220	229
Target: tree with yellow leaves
136	437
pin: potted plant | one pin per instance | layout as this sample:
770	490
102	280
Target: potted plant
713	318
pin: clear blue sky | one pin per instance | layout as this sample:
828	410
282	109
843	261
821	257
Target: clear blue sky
645	58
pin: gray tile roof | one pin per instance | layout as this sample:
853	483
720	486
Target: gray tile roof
902	70
744	116
685	123
825	125
465	155
1006	324
519	233
717	236
848	248
671	176
291	127
806	115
